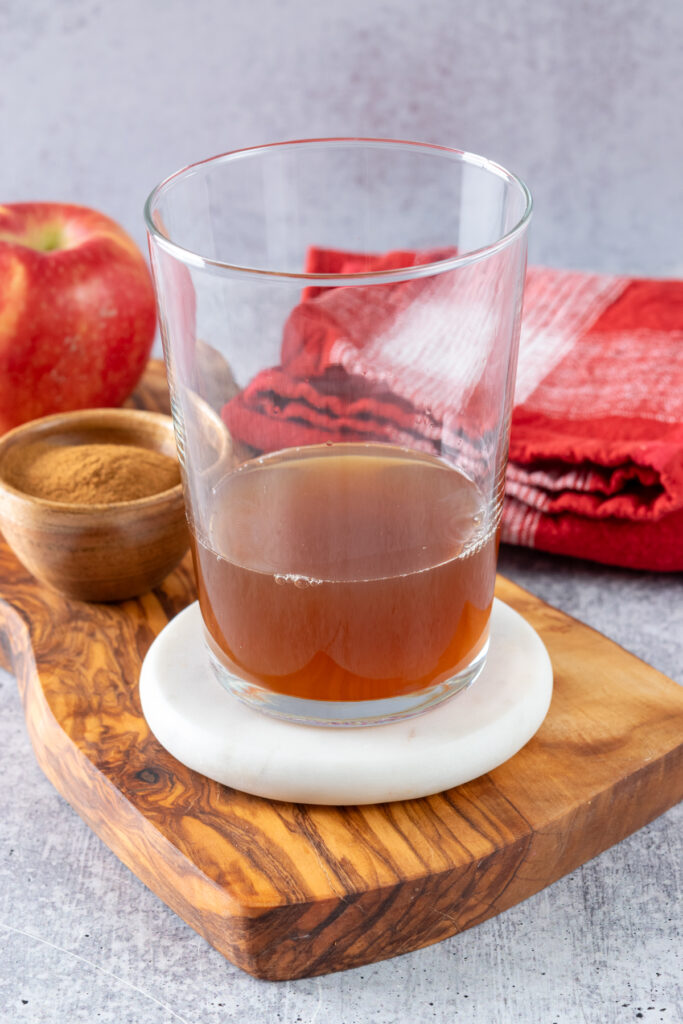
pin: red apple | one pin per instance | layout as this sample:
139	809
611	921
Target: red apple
77	311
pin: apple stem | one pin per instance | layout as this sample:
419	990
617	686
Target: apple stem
51	239
45	238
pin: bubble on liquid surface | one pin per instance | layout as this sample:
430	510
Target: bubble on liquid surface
301	582
305	581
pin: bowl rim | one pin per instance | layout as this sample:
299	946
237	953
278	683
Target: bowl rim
33	430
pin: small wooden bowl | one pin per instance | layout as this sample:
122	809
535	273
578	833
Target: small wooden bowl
95	552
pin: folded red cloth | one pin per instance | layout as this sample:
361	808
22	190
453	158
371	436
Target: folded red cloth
596	447
596	452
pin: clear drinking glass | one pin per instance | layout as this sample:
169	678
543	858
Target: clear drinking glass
340	321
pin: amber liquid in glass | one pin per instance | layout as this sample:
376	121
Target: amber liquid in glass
346	572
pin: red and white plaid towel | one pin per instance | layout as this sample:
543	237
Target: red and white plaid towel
596	452
596	448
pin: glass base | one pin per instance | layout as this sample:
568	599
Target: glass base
343	713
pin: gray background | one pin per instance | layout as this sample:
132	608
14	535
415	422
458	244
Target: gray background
99	101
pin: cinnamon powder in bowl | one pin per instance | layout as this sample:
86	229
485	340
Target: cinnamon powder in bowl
89	474
91	502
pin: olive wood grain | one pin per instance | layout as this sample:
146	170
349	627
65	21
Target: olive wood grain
287	891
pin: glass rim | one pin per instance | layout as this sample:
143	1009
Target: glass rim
192	258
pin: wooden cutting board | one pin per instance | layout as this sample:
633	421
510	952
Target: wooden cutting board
288	891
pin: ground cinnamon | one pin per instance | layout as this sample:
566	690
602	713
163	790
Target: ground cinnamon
91	474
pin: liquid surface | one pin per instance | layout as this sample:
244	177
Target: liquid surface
346	572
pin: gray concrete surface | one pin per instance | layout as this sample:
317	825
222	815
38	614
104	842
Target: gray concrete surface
97	103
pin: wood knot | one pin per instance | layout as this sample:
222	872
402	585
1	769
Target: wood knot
148	775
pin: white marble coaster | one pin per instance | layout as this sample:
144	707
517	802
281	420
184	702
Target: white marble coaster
214	733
